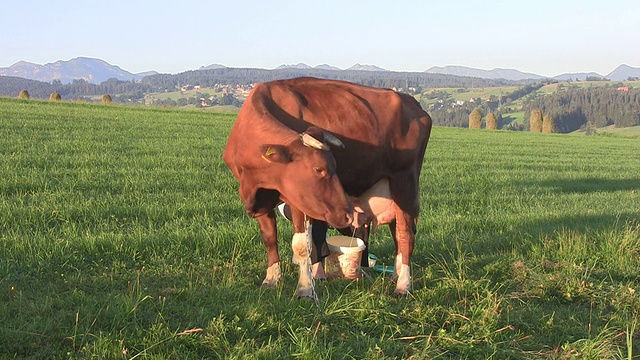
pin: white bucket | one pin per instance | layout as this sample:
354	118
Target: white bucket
344	260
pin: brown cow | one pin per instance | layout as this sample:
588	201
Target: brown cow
278	150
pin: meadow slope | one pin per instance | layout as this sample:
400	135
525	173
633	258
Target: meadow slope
122	236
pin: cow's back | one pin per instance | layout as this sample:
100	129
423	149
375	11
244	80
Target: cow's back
383	131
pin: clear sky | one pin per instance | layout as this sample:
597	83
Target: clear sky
545	37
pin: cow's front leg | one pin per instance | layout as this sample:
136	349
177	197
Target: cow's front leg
405	238
301	246
270	239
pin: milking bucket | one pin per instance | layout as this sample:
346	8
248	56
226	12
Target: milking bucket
344	260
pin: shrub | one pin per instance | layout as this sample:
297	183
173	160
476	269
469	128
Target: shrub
106	99
24	94
55	96
475	119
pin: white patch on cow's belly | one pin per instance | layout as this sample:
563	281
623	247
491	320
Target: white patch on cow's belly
383	209
378	199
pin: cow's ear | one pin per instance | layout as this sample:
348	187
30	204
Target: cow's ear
275	154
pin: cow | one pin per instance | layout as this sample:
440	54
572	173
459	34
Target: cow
316	143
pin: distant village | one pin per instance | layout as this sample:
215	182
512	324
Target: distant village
239	90
196	95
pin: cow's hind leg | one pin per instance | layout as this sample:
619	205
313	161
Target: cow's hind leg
404	237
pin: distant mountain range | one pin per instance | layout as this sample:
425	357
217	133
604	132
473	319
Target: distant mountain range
302	66
96	71
212	67
92	70
621	73
507	74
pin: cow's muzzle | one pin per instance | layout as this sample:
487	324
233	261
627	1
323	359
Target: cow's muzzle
340	221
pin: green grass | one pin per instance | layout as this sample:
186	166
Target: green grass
514	117
122	236
553	88
467	94
631	131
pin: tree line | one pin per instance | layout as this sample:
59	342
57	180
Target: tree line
574	109
78	89
379	79
412	82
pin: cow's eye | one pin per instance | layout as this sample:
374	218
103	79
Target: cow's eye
319	171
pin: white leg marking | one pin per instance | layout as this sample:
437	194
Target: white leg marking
300	246
403	285
397	266
402	274
274	274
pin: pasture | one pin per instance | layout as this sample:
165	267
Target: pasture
122	236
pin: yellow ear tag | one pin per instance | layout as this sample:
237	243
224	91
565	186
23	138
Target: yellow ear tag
268	153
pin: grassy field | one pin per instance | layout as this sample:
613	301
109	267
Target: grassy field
122	236
613	130
514	117
484	93
552	88
466	94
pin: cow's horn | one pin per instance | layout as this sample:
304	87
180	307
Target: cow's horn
310	141
331	139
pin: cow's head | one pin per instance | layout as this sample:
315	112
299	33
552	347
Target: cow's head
306	176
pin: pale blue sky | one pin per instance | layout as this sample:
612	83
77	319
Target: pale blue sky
546	37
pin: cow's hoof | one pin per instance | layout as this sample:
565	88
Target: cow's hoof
304	293
269	283
317	271
400	294
273	275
